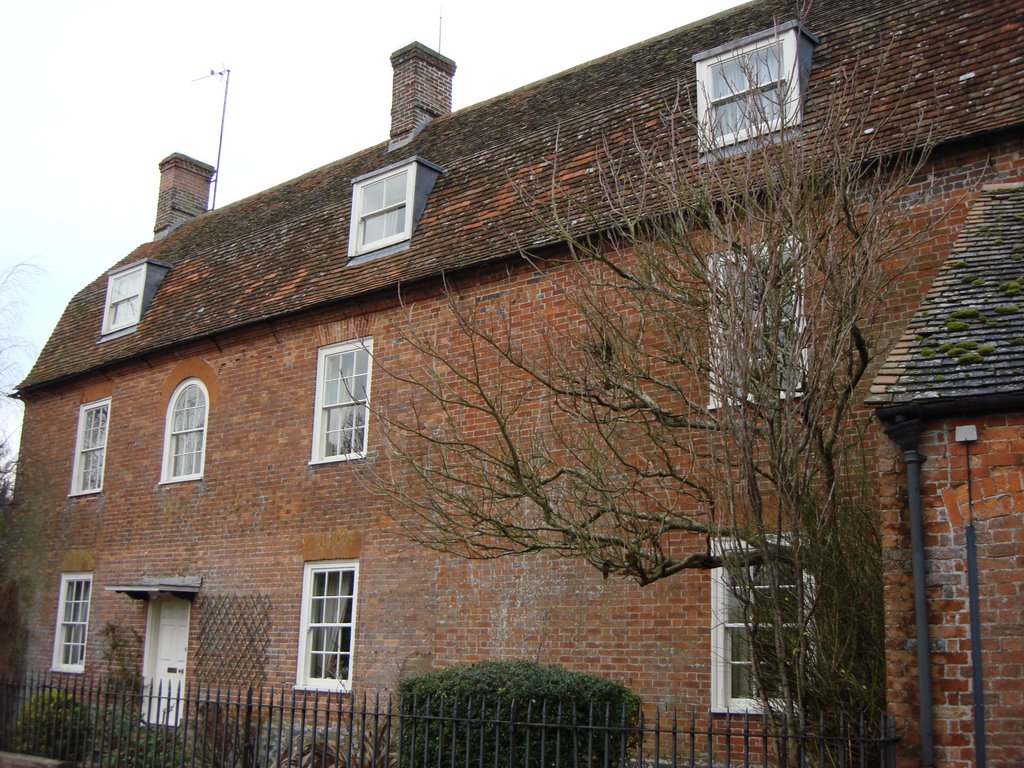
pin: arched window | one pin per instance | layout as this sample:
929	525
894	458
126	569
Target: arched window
185	436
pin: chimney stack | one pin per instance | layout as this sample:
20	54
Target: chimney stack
421	90
184	192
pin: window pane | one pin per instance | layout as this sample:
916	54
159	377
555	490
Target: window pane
730	117
373	228
126	285
766	65
333	579
394	222
319	583
741	685
765	107
338	667
333	389
361	362
330	612
386	224
190	409
728	78
345	610
373	197
125	312
348	580
355	388
734	609
332	366
316	665
395	189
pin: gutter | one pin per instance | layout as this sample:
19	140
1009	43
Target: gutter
906	433
940	409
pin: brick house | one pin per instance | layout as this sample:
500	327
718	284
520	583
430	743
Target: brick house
189	491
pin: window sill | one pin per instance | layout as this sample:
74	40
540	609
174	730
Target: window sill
753	709
378	252
111	335
91	492
336	459
324	687
175	480
68	670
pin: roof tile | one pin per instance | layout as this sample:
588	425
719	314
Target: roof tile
967	340
285	250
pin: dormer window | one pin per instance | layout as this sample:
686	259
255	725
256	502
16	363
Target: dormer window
129	291
753	86
385	215
124	299
386	205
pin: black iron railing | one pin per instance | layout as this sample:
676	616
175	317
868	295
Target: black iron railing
92	722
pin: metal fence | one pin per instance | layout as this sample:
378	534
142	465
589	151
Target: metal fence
91	722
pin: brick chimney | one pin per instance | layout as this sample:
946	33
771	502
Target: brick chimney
184	192
421	90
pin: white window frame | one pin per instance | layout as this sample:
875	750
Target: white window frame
81	449
721	639
66	625
170	434
721	650
320	417
112	300
356	246
303	678
719	281
791	106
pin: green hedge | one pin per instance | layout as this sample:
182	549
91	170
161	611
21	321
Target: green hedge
520	710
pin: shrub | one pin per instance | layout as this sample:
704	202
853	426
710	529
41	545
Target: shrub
127	742
52	723
520	710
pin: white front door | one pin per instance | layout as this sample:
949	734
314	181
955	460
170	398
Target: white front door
166	654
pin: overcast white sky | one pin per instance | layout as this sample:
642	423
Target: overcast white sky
94	94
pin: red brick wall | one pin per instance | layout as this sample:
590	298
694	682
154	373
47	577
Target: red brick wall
261	510
997	489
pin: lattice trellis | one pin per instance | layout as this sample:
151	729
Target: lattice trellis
234	640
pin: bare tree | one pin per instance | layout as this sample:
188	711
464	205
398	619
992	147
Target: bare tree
692	401
12	349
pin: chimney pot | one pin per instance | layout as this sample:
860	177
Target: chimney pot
184	192
421	90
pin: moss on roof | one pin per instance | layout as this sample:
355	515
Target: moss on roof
971	323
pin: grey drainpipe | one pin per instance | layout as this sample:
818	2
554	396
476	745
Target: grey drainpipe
906	434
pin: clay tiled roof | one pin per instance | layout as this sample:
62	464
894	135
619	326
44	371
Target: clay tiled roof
284	250
967	341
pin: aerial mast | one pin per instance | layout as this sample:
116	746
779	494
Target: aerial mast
225	74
